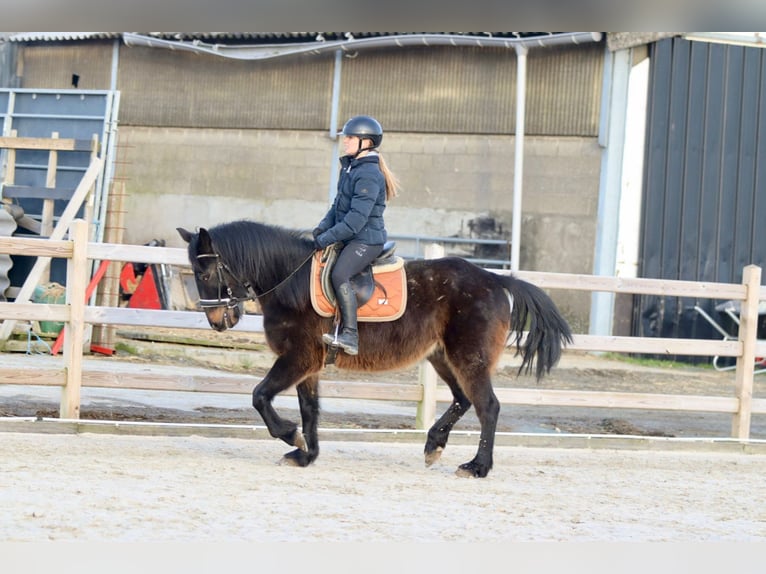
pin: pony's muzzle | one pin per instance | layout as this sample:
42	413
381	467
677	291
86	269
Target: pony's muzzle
225	317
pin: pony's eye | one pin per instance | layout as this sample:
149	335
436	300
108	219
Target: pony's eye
204	277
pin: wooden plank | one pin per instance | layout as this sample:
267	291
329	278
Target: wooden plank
45	377
33	311
36	246
656	345
243	384
64	144
46	217
163	318
371	390
33	192
640	286
146	317
154	380
138	253
617	400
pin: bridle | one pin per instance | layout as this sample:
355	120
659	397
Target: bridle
230	301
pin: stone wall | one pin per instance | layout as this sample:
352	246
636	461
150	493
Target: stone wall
195	178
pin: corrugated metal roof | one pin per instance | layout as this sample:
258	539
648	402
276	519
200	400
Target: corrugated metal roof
251	37
61	36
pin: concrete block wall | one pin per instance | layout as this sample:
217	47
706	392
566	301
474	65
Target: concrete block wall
194	178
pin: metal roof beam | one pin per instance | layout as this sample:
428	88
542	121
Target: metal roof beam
255	52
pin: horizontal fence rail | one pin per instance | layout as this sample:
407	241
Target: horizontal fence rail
75	314
420	243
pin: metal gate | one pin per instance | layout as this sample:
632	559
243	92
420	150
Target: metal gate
704	197
76	114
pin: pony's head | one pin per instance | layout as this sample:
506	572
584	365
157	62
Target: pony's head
221	294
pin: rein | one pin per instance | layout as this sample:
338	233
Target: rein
231	301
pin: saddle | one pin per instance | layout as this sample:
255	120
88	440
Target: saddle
381	288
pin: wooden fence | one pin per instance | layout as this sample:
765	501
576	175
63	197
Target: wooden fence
76	314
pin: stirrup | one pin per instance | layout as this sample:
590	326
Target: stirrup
331	338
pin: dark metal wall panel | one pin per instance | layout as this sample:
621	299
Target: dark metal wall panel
705	176
759	211
76	114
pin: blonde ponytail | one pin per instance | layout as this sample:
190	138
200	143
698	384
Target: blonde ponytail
392	183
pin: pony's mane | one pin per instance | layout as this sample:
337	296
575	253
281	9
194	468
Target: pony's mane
265	255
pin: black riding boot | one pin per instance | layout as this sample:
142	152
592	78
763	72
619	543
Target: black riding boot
348	339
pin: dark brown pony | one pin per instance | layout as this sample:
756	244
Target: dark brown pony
459	317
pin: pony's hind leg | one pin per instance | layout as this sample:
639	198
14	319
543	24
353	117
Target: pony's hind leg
487	409
439	432
467	374
308	401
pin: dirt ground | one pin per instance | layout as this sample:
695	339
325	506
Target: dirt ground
60	485
94	487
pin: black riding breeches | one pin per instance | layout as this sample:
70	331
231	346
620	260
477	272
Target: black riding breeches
352	259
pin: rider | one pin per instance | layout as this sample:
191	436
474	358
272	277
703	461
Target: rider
356	219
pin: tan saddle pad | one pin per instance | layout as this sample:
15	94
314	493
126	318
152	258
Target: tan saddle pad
389	292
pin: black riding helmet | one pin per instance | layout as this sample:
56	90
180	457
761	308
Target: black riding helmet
364	127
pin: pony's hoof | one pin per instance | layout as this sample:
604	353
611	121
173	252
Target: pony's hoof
434	455
288	461
295	457
471	470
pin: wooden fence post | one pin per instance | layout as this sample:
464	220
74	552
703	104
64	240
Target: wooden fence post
74	329
426	413
748	334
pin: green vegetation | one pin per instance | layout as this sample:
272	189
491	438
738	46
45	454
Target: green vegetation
246	364
656	363
126	348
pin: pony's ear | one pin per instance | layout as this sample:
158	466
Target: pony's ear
205	244
185	235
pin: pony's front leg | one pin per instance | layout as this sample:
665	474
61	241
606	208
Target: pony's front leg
308	400
282	375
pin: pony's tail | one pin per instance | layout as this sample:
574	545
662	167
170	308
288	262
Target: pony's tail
548	331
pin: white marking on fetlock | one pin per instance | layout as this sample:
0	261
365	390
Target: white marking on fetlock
432	457
299	441
464	473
